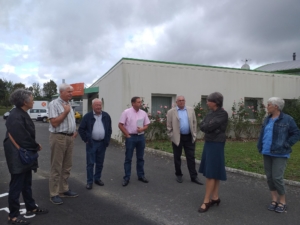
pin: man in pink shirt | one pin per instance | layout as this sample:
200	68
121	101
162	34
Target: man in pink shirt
133	123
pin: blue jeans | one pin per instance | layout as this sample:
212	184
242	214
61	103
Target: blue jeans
134	142
20	183
94	156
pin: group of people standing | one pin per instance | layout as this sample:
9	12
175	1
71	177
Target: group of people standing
279	132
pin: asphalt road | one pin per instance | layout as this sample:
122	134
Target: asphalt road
161	201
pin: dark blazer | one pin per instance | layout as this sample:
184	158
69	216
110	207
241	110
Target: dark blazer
86	127
22	129
214	125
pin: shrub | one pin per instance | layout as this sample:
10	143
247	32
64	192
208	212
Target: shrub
157	128
200	112
292	108
241	125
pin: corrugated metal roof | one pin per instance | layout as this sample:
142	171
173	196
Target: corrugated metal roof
281	66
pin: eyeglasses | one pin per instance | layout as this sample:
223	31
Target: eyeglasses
180	100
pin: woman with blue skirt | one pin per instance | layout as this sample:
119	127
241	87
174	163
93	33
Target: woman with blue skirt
212	164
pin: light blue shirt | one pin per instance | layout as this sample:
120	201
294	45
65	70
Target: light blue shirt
98	132
183	120
267	140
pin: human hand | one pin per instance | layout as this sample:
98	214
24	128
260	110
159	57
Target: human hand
140	129
67	107
40	147
75	134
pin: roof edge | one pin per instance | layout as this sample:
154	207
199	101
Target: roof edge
206	66
186	64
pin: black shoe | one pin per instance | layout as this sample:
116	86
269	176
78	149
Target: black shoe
207	205
99	182
89	186
212	202
56	200
68	194
197	181
179	179
273	206
143	179
125	182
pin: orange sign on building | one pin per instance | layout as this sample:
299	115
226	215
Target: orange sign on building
78	89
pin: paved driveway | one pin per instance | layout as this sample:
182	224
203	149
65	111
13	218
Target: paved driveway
161	201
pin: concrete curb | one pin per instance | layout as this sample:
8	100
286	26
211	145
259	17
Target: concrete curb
228	169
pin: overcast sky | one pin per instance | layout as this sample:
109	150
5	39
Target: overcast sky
80	40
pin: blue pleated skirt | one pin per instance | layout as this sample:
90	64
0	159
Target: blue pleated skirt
212	164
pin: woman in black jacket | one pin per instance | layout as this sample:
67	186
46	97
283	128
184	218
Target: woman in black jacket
22	132
213	161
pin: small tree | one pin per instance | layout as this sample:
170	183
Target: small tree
50	89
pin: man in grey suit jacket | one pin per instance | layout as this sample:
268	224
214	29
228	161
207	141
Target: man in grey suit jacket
182	130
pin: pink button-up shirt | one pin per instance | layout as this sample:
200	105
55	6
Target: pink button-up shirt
132	119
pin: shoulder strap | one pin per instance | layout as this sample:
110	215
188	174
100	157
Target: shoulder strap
13	141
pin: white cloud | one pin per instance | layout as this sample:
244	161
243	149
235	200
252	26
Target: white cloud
8	69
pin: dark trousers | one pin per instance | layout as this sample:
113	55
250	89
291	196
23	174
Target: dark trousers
186	142
94	158
134	142
20	183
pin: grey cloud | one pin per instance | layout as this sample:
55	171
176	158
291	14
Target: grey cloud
83	39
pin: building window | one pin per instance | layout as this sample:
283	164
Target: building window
160	103
251	106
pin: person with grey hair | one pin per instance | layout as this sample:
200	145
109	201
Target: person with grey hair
182	130
212	164
95	130
278	134
62	129
21	134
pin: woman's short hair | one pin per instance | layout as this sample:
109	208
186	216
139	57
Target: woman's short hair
19	96
216	97
277	101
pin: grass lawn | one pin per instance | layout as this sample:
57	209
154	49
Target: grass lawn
242	155
2	111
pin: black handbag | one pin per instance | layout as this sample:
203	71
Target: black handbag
26	156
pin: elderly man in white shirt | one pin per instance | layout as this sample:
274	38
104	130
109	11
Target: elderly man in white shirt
62	134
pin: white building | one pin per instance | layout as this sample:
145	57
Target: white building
158	83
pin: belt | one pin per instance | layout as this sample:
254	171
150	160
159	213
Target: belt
66	134
133	134
185	134
98	140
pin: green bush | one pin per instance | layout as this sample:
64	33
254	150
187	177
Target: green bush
157	129
292	108
241	125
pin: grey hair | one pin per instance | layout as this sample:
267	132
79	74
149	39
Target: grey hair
19	97
277	101
96	99
179	97
216	97
64	86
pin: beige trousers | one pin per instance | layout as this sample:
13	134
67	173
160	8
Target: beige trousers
61	163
